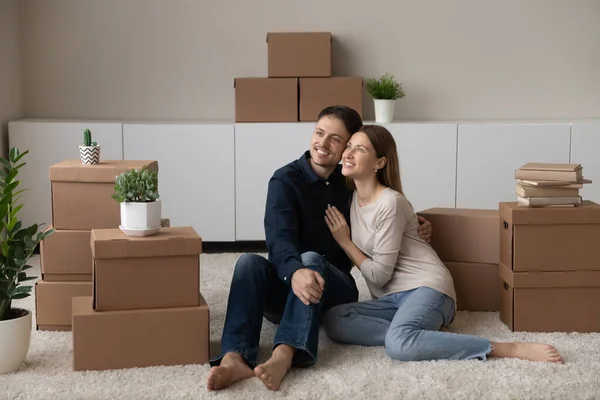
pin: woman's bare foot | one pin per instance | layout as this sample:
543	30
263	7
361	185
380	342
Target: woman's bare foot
233	368
273	371
527	351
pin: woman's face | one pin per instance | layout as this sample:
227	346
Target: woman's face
360	160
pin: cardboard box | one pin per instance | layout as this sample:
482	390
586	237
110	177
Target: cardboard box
266	99
464	235
66	255
549	238
53	303
159	271
78	188
139	338
318	93
566	301
299	54
477	286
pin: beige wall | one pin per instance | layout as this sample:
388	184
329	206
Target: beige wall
12	105
176	59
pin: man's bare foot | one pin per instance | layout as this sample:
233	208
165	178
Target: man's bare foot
527	351
233	368
273	371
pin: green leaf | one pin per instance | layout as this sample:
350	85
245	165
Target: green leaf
20	296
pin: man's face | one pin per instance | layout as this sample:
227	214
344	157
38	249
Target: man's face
328	141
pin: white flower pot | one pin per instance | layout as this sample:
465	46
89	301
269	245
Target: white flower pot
384	110
141	216
15	337
89	154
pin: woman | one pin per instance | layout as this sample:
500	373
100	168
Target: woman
413	292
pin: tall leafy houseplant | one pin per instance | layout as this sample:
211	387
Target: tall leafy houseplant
17	244
384	90
137	191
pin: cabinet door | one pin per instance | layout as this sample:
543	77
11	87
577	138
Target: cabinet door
489	154
196	173
50	142
585	150
260	149
427	154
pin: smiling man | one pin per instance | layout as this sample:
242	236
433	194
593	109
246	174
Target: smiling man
306	272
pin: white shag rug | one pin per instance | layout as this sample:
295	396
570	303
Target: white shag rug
342	371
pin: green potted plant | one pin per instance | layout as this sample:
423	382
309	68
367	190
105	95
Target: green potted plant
385	91
137	191
90	151
17	244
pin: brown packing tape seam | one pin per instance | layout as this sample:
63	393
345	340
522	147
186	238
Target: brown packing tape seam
549	279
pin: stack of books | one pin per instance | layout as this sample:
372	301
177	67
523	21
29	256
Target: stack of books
549	184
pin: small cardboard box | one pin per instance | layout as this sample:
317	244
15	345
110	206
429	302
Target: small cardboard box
299	54
550	239
266	99
81	193
53	303
159	271
66	255
464	235
318	93
565	301
139	338
477	286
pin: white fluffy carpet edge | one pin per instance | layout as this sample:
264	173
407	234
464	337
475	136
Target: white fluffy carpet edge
341	372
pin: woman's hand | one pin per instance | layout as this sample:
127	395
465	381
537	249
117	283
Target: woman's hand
337	225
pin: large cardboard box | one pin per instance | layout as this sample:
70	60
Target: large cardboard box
81	193
139	338
477	286
563	301
464	235
550	239
66	255
266	99
299	54
318	93
53	303
158	271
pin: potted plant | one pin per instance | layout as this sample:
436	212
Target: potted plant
385	91
137	191
90	151
17	244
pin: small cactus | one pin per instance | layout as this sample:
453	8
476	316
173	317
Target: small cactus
87	138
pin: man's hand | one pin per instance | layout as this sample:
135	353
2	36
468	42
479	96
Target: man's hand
308	285
425	229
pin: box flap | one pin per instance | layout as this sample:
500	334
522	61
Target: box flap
552	279
73	170
175	241
586	213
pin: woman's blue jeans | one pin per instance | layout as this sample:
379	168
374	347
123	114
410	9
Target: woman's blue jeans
407	324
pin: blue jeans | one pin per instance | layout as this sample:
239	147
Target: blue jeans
257	291
407	324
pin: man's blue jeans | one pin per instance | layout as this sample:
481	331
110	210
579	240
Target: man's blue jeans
407	324
257	291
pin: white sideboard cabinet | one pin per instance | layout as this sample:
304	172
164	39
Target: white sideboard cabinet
585	150
196	173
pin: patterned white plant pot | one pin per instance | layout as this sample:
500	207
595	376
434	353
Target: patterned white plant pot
89	154
15	337
384	110
141	216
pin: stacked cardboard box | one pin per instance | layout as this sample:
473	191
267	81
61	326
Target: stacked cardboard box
467	241
81	201
549	184
549	263
299	83
146	308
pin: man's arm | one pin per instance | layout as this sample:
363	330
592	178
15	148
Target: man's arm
281	229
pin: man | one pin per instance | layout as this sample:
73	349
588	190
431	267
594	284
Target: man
306	273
